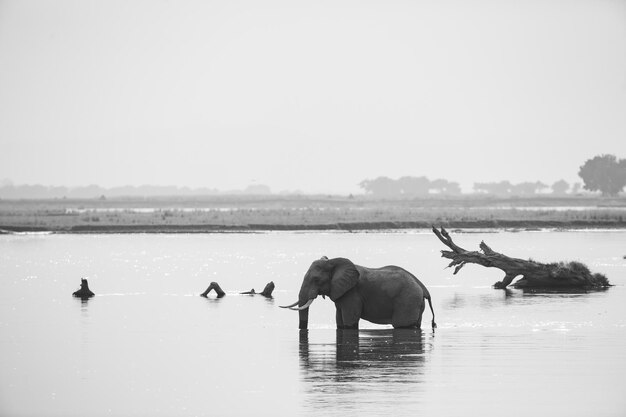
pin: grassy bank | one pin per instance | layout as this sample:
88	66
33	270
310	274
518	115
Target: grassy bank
306	213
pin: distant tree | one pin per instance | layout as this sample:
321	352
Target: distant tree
576	188
560	187
414	185
381	186
7	191
445	187
33	191
528	188
89	191
257	189
605	174
497	188
453	188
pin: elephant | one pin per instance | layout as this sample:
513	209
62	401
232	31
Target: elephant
84	292
387	295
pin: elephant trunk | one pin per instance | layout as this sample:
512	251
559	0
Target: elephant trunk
303	310
304	319
305	298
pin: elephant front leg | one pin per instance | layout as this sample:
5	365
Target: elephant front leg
339	318
346	319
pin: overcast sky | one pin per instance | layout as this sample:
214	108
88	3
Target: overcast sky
314	95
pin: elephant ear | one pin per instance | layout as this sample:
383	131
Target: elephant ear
344	277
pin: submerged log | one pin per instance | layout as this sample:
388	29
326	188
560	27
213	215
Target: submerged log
558	275
267	291
214	286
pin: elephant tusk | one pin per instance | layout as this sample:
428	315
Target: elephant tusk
304	307
290	305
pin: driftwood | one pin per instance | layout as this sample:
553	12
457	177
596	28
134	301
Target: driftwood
559	275
267	291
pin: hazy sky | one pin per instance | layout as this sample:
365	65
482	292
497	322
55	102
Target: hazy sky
314	95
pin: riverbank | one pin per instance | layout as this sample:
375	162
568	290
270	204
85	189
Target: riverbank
347	227
250	214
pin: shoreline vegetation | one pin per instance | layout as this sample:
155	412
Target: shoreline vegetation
217	214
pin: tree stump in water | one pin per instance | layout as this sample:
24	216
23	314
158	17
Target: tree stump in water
558	275
84	293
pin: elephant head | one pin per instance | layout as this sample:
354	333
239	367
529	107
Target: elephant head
325	277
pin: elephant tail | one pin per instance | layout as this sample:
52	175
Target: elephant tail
432	311
427	296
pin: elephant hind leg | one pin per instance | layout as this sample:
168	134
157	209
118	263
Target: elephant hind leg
419	320
411	326
407	318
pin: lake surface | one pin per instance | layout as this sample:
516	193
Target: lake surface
148	345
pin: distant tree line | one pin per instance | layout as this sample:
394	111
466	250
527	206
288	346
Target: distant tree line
422	186
10	191
604	173
409	186
505	188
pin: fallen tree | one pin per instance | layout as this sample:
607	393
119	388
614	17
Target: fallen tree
558	275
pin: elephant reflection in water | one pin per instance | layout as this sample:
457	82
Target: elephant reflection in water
391	356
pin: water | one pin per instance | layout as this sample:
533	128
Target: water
148	345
